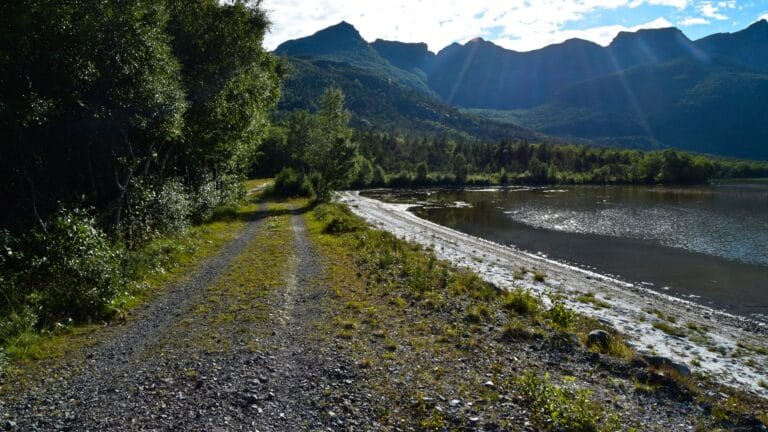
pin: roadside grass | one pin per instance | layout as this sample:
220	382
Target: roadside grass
429	317
156	266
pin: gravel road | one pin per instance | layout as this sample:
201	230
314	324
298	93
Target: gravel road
152	375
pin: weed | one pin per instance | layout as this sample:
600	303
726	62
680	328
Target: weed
590	298
515	331
522	302
539	277
477	314
561	316
669	329
565	407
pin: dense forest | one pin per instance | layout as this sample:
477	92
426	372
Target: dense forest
403	160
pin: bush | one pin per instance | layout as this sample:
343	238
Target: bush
564	408
561	316
211	194
288	183
522	302
75	271
155	208
337	219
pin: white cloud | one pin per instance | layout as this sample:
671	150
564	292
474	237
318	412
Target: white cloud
515	24
763	17
711	11
693	21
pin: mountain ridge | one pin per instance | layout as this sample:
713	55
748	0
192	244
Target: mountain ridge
480	74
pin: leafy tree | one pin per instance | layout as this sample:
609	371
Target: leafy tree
231	83
91	97
331	150
422	172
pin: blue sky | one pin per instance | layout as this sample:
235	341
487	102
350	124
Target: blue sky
521	25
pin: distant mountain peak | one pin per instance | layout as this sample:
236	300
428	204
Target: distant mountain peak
340	38
759	27
664	32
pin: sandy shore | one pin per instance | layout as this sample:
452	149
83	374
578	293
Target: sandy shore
730	349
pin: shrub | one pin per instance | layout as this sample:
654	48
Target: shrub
522	302
564	408
288	183
75	271
155	208
337	219
401	180
561	316
210	194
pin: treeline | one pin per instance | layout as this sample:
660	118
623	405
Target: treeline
402	160
120	121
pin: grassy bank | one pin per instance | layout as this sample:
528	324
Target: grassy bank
444	349
155	266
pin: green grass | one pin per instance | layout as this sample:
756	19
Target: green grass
669	329
522	302
590	298
563	407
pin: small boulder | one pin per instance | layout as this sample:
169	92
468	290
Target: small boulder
598	337
659	362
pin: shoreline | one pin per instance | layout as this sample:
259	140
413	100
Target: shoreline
731	349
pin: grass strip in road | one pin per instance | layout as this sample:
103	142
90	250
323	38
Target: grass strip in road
232	305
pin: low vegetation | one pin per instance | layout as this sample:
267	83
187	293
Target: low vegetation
412	321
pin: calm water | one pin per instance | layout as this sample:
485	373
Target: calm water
709	243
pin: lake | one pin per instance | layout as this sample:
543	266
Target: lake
708	244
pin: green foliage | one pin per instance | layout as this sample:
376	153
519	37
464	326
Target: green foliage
522	302
75	272
561	316
154	210
288	183
331	150
523	163
147	112
364	173
564	408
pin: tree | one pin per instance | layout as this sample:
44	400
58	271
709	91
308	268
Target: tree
231	83
91	98
422	172
331	151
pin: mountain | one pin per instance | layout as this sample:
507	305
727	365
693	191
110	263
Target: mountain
343	43
710	107
650	89
652	46
376	101
412	57
748	47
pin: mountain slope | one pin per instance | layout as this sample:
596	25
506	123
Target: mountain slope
748	47
412	57
651	88
375	100
712	107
